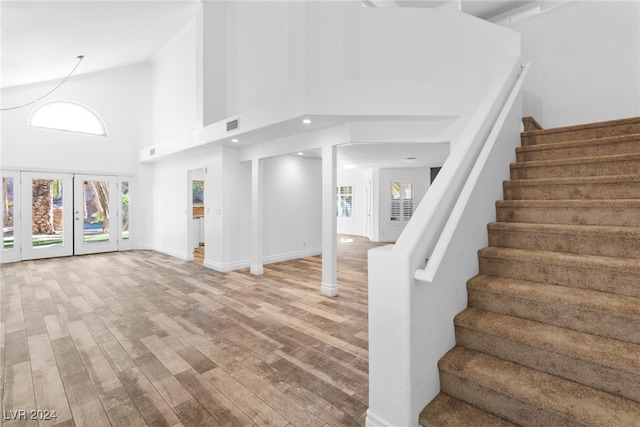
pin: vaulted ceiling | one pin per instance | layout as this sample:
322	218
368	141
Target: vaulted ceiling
40	40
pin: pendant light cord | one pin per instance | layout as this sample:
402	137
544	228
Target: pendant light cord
80	58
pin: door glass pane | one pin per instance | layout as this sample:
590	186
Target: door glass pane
7	213
48	213
124	190
95	225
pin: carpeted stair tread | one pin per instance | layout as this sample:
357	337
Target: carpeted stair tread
611	365
592	187
622	144
528	397
580	132
600	313
604	274
447	411
551	333
617	212
608	241
616	164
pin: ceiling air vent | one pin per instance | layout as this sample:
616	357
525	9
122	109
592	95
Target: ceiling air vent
232	125
152	151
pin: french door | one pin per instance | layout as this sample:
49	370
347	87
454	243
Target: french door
46	219
57	214
95	214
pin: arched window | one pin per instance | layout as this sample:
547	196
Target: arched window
69	116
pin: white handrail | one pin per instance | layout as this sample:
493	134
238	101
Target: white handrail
428	273
424	232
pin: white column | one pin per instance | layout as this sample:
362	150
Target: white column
329	285
256	216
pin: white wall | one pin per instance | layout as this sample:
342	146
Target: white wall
113	95
585	62
257	54
385	230
292	220
175	108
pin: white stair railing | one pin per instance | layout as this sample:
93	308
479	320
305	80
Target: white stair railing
411	308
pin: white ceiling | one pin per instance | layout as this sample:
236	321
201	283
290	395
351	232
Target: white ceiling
392	155
42	39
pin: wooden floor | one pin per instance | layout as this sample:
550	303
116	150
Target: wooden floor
140	338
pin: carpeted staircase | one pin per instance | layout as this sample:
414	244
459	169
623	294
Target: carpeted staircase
551	336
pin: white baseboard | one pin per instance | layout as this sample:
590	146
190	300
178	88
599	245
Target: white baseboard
186	256
330	290
218	266
239	265
291	255
375	421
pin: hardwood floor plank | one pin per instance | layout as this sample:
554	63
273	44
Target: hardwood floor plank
163	380
41	352
85	404
67	357
154	409
290	409
55	327
219	406
139	338
331	394
192	413
193	357
256	409
165	354
16	348
80	335
18	389
50	395
100	371
120	409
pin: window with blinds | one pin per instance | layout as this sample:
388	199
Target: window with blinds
401	201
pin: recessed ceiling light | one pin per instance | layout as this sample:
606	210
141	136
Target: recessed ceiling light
235	140
306	121
300	153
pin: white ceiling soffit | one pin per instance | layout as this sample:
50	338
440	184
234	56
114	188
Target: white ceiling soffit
42	39
392	155
484	9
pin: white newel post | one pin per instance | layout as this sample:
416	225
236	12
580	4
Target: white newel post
257	172
329	284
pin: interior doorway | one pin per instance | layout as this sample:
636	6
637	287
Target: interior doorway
48	214
196	180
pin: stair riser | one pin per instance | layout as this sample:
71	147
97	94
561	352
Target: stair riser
570	275
612	129
445	411
624	217
605	168
516	190
618	382
611	245
576	318
523	413
594	150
